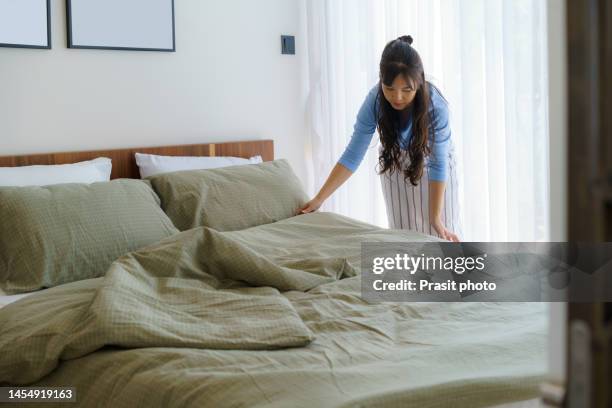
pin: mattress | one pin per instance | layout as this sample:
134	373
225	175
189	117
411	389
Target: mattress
8	299
271	316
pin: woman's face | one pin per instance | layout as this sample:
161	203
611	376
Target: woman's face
401	93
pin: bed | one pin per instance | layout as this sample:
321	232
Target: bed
265	316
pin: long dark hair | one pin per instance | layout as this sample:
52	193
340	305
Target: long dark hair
399	58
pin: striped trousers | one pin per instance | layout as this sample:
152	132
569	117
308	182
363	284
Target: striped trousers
408	205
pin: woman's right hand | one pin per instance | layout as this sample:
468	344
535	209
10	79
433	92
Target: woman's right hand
311	206
338	175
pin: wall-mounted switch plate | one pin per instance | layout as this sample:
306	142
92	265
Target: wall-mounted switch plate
287	44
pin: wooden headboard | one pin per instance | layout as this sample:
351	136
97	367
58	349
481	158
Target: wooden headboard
124	164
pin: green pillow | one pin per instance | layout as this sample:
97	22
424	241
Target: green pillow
230	198
68	232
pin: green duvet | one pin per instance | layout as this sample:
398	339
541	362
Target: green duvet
268	316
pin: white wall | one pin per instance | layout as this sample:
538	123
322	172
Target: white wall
558	170
227	81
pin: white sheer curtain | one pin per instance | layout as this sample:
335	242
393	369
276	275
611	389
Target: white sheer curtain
487	57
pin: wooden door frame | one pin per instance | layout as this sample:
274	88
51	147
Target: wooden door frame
589	51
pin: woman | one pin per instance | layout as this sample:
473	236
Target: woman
416	158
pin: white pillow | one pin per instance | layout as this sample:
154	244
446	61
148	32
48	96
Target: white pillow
91	171
150	164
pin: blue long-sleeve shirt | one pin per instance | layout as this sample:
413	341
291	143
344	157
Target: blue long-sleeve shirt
365	126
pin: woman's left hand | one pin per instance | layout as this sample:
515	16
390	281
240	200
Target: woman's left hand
443	232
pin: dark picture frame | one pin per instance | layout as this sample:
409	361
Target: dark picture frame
77	40
47	4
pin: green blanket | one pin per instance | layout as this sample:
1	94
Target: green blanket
267	316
